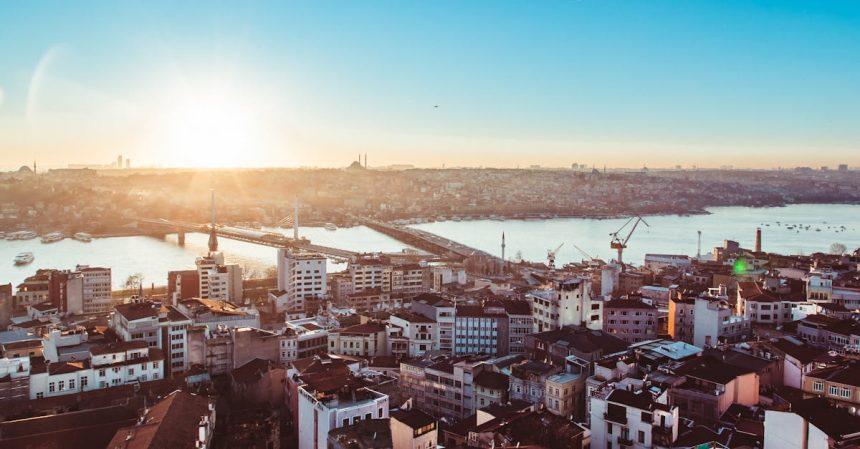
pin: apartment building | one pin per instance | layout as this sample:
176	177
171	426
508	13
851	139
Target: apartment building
681	318
368	272
363	340
568	303
490	388
107	365
442	386
715	322
420	332
811	423
159	327
442	312
481	329
301	276
218	280
413	429
409	278
762	306
630	320
528	380
711	386
326	403
564	393
838	384
628	419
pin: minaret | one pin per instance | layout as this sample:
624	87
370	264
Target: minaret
699	247
503	246
365	160
213	239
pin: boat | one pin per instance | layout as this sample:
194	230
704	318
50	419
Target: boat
83	237
24	258
21	235
52	237
330	227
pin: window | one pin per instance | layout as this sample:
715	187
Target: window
641	436
818	386
61	385
52	387
84	382
71	384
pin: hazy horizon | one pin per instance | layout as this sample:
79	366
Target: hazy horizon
492	84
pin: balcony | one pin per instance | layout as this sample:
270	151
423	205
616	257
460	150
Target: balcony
618	419
625	441
661	436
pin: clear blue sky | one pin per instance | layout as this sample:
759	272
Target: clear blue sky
760	84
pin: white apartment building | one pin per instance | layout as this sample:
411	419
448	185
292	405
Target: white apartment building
219	280
441	311
636	420
108	365
322	409
370	272
96	289
301	275
421	332
159	326
714	321
569	303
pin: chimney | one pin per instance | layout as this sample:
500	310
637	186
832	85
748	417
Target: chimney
758	240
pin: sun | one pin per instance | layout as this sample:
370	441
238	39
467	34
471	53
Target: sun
210	128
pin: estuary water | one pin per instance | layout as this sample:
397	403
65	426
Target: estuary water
153	257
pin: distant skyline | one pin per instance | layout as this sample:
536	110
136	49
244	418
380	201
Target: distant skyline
479	83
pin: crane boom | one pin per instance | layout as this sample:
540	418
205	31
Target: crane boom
618	244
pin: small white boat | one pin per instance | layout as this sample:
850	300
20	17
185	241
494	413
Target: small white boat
330	227
52	237
24	258
83	237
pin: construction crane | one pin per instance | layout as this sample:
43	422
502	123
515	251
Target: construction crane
582	251
550	256
618	243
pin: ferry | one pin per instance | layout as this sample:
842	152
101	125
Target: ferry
83	237
52	237
330	227
21	235
24	258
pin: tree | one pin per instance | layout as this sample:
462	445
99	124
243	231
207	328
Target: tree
133	282
838	249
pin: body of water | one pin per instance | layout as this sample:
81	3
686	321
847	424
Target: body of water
666	234
154	257
670	234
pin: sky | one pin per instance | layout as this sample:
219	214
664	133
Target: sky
457	83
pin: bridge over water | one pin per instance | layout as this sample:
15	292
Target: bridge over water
258	237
